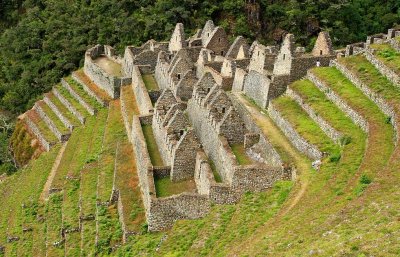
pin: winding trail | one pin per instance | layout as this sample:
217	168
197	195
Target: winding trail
45	193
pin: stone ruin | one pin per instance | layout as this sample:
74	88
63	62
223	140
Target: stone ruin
204	137
199	128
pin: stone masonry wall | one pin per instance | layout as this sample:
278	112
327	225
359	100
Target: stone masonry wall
353	115
165	211
88	90
269	153
36	131
376	98
143	162
324	125
108	83
219	152
54	108
50	124
69	106
142	96
386	71
89	108
256	86
299	142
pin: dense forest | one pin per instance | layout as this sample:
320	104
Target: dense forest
43	40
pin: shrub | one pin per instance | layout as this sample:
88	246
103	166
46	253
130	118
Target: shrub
345	140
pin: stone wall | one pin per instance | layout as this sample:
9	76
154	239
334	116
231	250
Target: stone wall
256	86
142	96
125	116
353	115
69	106
386	71
298	141
36	131
88	90
239	79
144	166
61	137
90	109
54	108
385	107
215	146
165	211
107	82
394	42
324	125
269	154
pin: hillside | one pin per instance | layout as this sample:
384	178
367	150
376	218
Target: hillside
197	146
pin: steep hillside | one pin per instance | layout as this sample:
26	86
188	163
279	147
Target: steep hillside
101	177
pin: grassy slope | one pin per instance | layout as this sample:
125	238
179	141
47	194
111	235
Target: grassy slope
304	125
388	55
23	188
326	206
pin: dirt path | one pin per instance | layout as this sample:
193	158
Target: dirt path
284	147
45	193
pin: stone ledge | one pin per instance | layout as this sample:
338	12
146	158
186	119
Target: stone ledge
69	106
54	108
323	124
385	70
89	91
298	141
90	109
376	98
352	114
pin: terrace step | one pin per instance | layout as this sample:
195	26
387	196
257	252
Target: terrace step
375	87
323	124
40	129
91	88
52	121
305	134
67	123
66	112
91	110
128	107
382	57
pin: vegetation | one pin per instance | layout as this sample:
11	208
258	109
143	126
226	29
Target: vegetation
240	152
388	56
24	147
40	42
152	146
216	174
165	187
150	82
305	126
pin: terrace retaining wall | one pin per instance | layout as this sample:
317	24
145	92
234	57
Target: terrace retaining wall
69	106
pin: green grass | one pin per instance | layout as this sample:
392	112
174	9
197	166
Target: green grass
64	92
216	174
127	181
54	118
43	128
19	201
150	82
152	146
305	126
82	93
64	111
240	153
370	76
388	55
165	187
381	132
